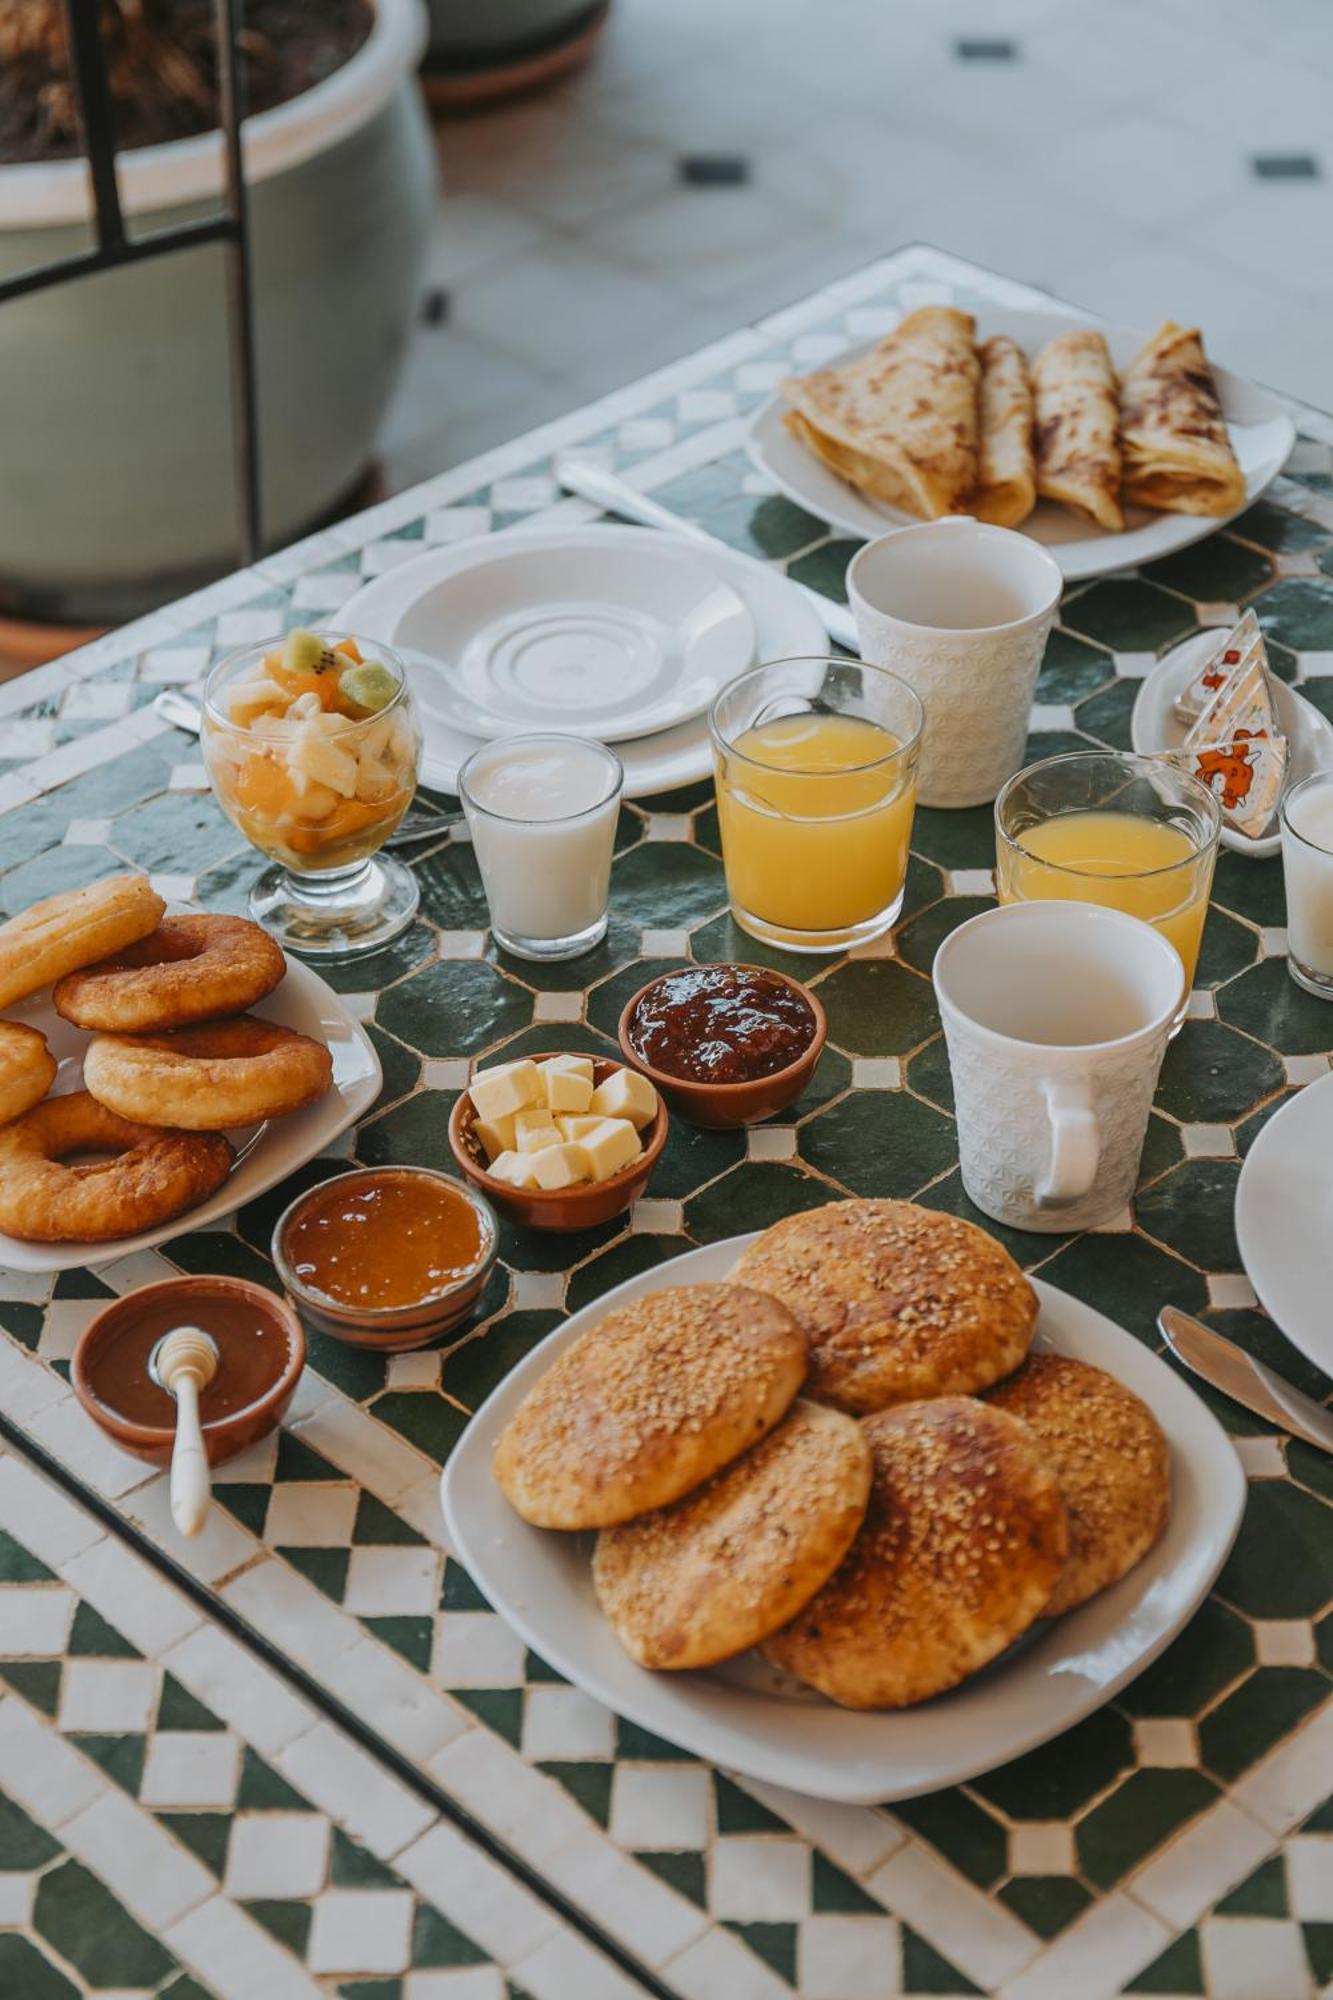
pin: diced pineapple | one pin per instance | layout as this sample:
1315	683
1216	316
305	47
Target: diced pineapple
535	1129
304	707
247	699
374	738
626	1094
317	756
314	801
517	1169
504	1088
374	780
496	1135
611	1146
275	727
560	1166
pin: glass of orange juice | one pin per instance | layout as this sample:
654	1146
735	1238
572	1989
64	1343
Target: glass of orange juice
1103	826
815	761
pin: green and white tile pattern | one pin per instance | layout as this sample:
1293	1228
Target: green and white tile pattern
1175	1843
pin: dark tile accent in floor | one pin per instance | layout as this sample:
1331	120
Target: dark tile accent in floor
1286	167
435	307
988	48
713	169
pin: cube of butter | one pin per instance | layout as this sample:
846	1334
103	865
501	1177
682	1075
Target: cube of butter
496	1134
572	1064
610	1146
509	1087
565	1089
626	1094
560	1166
535	1129
515	1169
576	1126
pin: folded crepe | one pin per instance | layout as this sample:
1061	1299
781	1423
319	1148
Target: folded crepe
1077	428
899	422
1177	454
1007	481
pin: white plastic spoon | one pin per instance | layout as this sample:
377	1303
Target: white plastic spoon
184	1362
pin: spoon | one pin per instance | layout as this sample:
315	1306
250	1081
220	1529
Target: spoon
415	826
184	1362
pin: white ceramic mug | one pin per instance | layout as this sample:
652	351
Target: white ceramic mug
1056	1016
962	610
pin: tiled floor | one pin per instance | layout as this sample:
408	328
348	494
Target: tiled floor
1105	150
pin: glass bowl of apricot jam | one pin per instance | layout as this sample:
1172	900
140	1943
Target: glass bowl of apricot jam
386	1257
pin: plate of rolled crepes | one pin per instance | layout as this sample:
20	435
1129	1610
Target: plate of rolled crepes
1109	447
851	1506
158	1069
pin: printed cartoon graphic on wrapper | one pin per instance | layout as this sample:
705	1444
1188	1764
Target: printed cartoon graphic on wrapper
1244	772
1224	658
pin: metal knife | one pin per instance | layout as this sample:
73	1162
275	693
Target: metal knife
608	489
413	830
1247	1381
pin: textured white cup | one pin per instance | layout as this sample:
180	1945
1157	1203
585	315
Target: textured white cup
1056	1017
962	611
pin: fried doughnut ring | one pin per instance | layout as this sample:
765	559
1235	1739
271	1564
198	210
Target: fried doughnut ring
208	1078
75	928
190	969
27	1069
153	1176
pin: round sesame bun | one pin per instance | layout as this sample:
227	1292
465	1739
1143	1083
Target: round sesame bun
692	1584
1110	1458
964	1540
898	1302
649	1403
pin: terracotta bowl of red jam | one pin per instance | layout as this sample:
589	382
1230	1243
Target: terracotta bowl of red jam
261	1352
579	1207
725	1045
386	1257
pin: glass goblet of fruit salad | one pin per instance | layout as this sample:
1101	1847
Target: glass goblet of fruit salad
312	747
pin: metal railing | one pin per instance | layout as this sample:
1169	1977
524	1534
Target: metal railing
230	228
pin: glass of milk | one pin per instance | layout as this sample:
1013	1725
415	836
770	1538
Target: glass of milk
542	812
1307	867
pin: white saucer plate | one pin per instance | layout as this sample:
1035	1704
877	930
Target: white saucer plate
1284	1219
1154	725
1262	435
741	1716
268	1153
402	608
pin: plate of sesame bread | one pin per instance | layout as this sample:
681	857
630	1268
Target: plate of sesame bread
850	1506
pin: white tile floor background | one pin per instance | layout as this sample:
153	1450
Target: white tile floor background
1108	156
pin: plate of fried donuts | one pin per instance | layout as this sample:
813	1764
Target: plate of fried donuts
852	1506
158	1069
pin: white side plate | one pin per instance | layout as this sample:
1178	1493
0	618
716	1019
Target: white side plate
1262	435
1154	725
272	1151
390	609
739	1716
1284	1219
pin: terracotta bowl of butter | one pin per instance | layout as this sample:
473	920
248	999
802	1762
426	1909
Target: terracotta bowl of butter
704	1017
261	1352
386	1257
579	1207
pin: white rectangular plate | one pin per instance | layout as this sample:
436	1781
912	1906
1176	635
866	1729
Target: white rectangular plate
304	1002
1262	435
738	1717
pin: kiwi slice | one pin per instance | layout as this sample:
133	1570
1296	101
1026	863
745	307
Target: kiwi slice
306	653
368	687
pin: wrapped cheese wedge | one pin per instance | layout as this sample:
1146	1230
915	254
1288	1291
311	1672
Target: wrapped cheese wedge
1244	700
1007	480
1177	453
1077	426
899	422
1226	654
1245	773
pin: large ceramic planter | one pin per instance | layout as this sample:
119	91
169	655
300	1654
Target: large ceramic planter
116	483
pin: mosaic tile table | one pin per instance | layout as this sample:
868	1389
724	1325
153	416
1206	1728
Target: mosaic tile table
395	1775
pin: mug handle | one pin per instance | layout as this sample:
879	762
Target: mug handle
1075	1143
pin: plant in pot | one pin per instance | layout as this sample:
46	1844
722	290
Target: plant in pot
116	486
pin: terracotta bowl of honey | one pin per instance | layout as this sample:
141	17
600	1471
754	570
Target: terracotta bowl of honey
386	1257
725	1045
261	1352
579	1207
